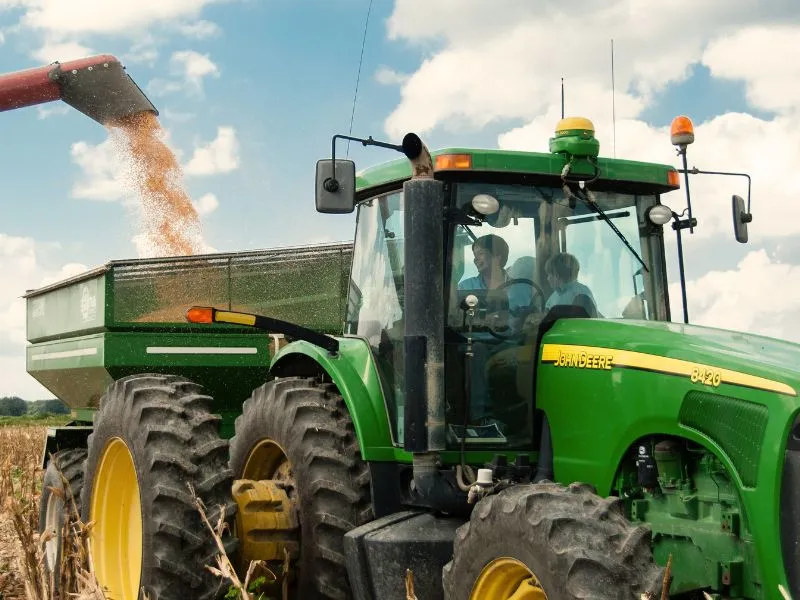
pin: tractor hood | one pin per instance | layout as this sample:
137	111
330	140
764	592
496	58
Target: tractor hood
747	354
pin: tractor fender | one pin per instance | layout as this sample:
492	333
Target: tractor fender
353	372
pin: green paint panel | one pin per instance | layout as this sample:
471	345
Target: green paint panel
77	307
523	163
79	370
596	415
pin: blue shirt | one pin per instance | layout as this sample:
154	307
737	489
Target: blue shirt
519	296
567	293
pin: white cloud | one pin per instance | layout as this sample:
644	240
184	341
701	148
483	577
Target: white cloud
194	66
21	269
105	170
61	51
495	61
386	76
199	29
206	204
52	110
101	17
190	68
221	155
144	51
760	57
761	295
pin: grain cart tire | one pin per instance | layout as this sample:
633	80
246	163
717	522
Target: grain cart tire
56	503
297	433
154	435
547	541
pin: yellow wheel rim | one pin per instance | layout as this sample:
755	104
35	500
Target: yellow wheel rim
267	460
116	539
507	579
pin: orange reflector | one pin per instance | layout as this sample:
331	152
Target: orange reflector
200	314
453	161
674	178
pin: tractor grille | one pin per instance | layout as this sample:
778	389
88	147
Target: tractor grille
737	426
790	509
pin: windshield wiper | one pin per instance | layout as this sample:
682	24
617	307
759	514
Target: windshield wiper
588	200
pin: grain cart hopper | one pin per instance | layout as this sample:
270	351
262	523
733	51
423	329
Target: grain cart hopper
480	418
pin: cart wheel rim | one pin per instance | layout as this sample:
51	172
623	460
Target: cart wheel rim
507	579
55	507
116	539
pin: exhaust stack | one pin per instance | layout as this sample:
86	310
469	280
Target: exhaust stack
97	86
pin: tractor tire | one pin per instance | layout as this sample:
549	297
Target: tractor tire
576	544
56	503
298	433
154	435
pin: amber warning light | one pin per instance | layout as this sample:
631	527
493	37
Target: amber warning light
682	131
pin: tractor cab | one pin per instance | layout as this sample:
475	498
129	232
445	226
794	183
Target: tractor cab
523	233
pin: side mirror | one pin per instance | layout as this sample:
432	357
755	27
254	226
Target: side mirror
336	186
740	219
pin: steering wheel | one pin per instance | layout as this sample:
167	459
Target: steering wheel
536	290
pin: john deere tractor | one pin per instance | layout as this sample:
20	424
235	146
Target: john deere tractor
484	395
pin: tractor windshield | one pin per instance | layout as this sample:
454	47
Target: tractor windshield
536	247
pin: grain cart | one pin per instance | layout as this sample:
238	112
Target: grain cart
480	418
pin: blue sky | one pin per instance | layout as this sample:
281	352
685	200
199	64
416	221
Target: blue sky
281	74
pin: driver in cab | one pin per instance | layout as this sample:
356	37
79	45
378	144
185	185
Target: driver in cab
490	257
500	293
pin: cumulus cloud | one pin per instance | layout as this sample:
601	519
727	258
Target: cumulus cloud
501	60
199	29
61	51
221	155
757	56
105	170
21	269
61	29
760	295
206	204
102	17
190	68
387	76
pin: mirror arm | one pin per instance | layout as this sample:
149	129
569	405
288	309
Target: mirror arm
747	218
330	184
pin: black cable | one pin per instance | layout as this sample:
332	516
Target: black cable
358	76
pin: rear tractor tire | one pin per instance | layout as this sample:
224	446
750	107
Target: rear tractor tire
549	542
60	505
295	437
153	436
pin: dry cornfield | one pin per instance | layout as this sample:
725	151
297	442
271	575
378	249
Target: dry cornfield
22	571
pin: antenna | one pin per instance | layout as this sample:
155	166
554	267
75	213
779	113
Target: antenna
358	76
562	97
613	102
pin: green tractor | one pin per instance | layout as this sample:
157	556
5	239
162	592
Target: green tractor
486	390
